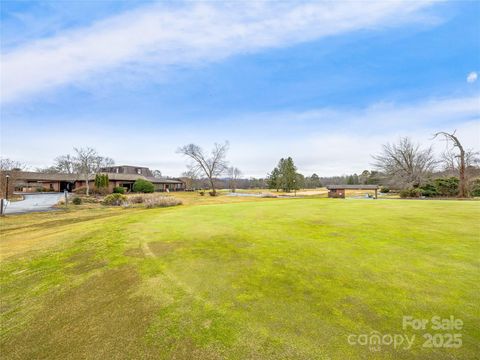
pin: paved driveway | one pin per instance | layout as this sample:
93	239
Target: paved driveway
34	202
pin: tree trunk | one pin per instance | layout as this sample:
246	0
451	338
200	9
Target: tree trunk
86	184
463	182
462	186
212	185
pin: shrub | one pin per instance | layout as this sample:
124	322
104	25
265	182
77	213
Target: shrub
138	199
447	186
114	199
213	193
99	190
80	190
41	189
429	190
384	190
76	201
143	186
410	193
153	200
475	188
202	193
119	190
101	181
161	201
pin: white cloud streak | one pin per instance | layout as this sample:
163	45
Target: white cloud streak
188	34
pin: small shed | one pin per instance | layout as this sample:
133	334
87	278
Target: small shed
338	191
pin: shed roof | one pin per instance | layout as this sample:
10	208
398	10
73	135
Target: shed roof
352	187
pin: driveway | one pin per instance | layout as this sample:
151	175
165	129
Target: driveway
34	202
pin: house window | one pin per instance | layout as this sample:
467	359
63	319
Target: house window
139	171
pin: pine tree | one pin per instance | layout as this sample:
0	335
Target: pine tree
288	174
98	181
273	180
285	176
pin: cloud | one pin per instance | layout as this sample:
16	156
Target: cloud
326	141
472	77
190	33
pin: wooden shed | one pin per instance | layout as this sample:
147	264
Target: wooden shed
338	191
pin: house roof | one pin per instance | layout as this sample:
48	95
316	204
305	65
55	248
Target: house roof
39	176
352	187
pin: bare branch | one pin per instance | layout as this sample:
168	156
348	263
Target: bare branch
212	166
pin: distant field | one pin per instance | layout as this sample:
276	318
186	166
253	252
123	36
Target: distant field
238	279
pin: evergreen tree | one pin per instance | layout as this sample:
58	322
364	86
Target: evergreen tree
300	181
273	179
288	174
285	176
315	181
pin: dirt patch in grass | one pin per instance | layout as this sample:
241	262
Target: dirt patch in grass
162	248
84	262
134	252
99	319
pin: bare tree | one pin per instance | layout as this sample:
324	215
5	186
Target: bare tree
157	173
460	161
48	170
7	164
87	163
190	178
405	163
102	162
234	175
211	166
451	160
65	164
10	168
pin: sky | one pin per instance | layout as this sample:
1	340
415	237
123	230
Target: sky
326	83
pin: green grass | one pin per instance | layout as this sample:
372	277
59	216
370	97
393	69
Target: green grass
271	279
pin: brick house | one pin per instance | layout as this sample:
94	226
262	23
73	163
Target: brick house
124	176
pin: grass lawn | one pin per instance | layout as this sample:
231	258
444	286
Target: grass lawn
239	279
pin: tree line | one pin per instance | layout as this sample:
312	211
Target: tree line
404	166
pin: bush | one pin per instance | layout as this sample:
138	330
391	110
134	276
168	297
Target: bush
429	190
447	186
101	181
143	186
161	201
410	193
119	190
213	193
138	199
76	201
475	188
99	191
384	190
153	200
114	199
80	190
202	193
